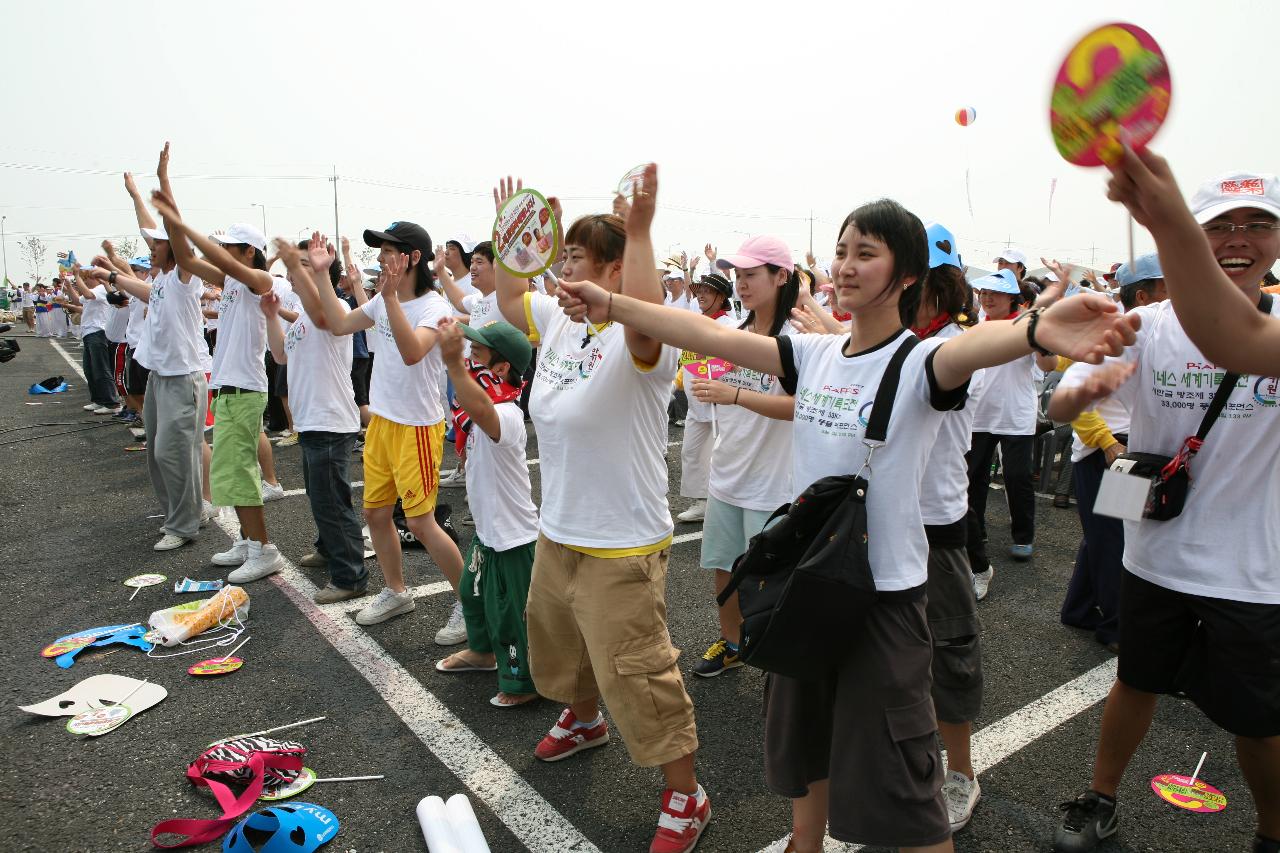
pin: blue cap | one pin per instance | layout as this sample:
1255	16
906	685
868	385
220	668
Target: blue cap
142	261
1145	267
942	247
1001	282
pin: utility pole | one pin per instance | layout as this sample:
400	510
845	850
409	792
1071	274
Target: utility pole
811	231
337	238
4	249
264	217
1008	244
1093	256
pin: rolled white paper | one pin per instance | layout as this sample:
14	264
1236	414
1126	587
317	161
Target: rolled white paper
465	826
436	829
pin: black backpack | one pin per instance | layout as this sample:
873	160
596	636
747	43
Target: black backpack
806	578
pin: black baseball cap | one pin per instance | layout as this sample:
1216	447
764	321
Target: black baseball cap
401	233
718	283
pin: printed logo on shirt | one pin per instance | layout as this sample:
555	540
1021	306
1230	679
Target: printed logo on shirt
837	410
1267	390
1248	186
293	337
1191	388
564	371
230	294
749	380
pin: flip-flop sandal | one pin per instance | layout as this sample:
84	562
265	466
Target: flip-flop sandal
440	667
498	703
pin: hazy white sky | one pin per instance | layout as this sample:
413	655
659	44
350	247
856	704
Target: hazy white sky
757	113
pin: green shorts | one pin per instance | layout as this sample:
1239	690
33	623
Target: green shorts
494	591
234	478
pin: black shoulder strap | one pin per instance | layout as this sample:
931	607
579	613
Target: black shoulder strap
882	405
1228	384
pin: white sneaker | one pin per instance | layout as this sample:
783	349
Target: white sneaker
106	410
208	512
386	604
982	582
271	492
456	477
261	560
961	794
455	630
170	542
233	556
696	512
90	407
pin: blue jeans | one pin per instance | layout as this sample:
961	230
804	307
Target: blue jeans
326	464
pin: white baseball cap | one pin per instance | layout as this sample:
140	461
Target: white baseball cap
1013	256
464	240
242	235
154	233
674	274
1233	191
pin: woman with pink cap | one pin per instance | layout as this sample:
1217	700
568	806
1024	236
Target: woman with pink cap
750	465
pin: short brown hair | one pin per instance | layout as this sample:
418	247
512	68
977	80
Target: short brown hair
601	235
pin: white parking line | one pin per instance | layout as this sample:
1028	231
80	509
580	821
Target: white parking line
1001	739
532	820
71	361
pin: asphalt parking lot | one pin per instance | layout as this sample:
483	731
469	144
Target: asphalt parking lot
79	518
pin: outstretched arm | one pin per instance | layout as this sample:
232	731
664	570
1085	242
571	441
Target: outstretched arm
413	343
639	278
338	318
144	217
510	290
217	261
1086	328
1217	316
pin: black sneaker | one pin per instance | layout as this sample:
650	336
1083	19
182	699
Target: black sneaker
717	659
1089	819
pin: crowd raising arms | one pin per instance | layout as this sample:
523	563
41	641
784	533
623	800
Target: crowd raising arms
608	280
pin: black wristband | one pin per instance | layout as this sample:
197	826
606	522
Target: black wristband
111	279
1033	320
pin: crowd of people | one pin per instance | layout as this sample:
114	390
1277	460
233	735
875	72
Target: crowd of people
564	597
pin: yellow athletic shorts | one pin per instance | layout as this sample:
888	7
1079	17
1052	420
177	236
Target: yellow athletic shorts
402	462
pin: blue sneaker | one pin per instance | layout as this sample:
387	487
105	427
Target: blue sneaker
1021	552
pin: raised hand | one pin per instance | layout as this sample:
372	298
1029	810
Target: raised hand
451	340
804	320
346	248
270	303
165	206
505	190
810	260
693	265
1086	328
556	208
644	203
1143	182
581	300
109	249
129	186
287	251
162	168
438	264
710	252
319	252
392	270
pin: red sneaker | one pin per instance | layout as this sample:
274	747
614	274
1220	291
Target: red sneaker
681	821
564	740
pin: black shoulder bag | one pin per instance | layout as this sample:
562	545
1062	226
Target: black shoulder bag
1170	476
806	577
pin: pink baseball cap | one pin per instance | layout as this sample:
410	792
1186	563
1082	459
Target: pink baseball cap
758	251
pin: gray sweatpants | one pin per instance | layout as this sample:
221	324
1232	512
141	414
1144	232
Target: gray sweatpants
174	413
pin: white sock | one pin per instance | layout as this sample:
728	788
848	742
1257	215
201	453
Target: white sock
578	724
700	796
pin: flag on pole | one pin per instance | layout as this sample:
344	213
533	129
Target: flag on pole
65	260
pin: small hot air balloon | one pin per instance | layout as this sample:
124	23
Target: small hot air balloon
966	116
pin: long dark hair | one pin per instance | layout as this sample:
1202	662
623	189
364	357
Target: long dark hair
947	287
784	302
903	234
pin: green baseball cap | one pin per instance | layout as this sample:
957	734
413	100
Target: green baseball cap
504	339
